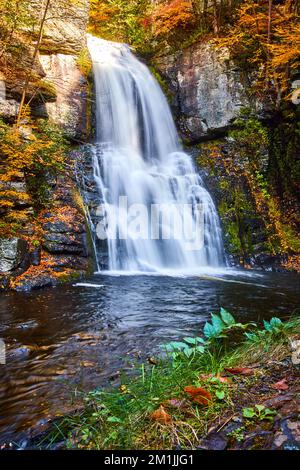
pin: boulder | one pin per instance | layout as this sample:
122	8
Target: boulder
13	254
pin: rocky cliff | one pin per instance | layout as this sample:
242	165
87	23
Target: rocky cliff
208	90
50	245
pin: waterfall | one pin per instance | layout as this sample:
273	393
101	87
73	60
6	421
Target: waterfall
156	213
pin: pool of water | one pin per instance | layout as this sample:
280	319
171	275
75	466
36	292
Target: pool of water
78	337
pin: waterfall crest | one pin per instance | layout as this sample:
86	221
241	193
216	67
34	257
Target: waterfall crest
138	158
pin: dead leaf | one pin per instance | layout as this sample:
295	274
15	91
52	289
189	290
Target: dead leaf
161	416
239	370
199	395
281	385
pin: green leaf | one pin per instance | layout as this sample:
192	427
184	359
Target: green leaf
227	317
270	412
251	336
248	412
190	340
200	349
175	345
188	352
267	326
276	322
220	394
260	408
114	419
217	322
209	330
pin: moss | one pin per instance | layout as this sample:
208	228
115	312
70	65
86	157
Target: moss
46	89
162	83
84	62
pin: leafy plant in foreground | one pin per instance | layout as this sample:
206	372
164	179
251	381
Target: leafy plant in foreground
274	328
222	325
187	347
259	412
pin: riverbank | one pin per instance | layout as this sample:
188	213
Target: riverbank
235	387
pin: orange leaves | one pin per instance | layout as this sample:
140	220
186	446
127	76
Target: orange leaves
172	15
161	416
268	41
100	14
239	370
199	395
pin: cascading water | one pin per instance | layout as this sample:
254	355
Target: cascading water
137	156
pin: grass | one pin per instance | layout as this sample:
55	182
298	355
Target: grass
121	418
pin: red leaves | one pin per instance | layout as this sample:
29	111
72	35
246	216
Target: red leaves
239	370
281	385
199	395
161	416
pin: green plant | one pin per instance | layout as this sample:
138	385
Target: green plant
238	434
187	347
259	412
275	328
222	325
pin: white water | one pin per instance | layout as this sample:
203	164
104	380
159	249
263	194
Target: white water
138	155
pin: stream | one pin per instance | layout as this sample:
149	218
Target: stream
78	337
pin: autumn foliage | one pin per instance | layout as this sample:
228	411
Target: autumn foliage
266	38
172	15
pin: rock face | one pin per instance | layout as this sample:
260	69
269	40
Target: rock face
62	88
54	246
65	28
13	253
207	87
69	110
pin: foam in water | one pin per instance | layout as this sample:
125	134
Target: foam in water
138	155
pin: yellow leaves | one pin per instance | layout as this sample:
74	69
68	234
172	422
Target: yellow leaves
271	44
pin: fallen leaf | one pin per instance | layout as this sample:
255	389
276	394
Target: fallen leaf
161	416
198	394
281	385
239	370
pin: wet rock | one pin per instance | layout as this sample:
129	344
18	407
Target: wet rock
35	257
214	441
31	283
69	246
288	436
13	254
